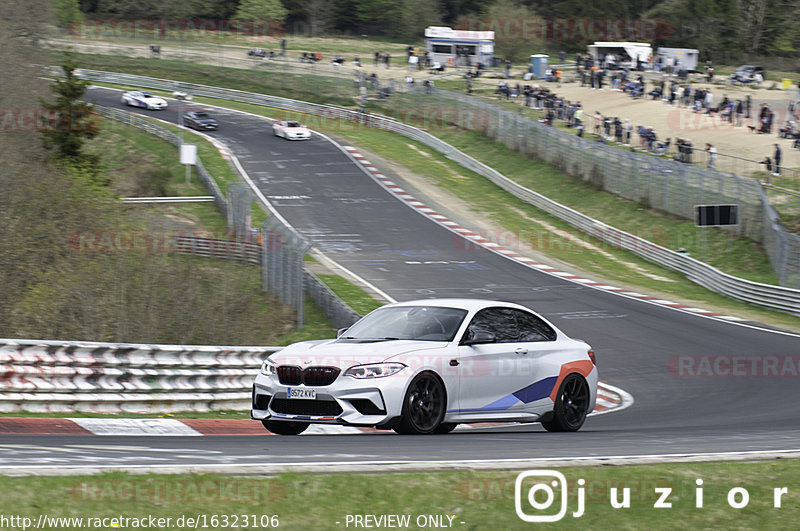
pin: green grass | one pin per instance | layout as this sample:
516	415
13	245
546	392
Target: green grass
364	46
265	78
474	500
122	145
356	298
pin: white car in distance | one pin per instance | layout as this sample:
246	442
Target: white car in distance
290	130
145	100
426	366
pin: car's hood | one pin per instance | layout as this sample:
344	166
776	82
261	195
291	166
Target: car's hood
296	129
345	354
153	99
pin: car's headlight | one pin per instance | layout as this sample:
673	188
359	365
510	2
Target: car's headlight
374	370
267	368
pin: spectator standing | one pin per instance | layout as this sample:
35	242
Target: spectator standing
712	155
738	112
777	160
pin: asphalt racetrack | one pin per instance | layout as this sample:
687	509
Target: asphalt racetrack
700	384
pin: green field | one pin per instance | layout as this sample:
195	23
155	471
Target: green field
459	499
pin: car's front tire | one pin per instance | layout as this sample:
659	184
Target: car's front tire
285	427
424	405
445	427
572	405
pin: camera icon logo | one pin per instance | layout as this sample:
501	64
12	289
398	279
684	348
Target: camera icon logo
538	490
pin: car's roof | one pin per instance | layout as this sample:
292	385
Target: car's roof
466	304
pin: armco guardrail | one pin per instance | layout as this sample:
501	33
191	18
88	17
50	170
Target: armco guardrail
769	296
55	376
210	248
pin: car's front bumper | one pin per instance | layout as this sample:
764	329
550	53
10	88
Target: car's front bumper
369	402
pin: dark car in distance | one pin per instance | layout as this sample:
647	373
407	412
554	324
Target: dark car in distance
747	74
199	120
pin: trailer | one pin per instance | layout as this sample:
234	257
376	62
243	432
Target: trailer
450	47
632	53
679	58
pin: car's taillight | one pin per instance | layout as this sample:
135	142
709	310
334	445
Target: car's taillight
592	357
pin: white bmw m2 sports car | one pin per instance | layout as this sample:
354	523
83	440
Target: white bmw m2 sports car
145	100
426	366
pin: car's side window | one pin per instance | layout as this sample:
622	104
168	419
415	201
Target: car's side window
500	321
532	328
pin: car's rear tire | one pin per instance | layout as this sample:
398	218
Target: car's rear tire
280	427
572	405
423	405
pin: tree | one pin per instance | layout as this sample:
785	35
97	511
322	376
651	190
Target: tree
318	16
68	121
67	12
261	10
416	15
515	28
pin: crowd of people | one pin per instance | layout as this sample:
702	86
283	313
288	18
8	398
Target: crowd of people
670	89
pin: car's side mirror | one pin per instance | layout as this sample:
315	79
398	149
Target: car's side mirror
478	337
340	332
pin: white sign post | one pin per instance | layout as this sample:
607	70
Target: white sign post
188	158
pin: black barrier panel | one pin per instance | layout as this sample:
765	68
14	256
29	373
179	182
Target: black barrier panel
716	215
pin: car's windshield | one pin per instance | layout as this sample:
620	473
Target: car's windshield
201	115
292	124
426	323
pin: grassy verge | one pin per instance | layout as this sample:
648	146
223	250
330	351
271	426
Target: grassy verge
355	297
268	78
461	500
130	152
363	46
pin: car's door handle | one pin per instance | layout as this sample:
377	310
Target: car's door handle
521	351
454	363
